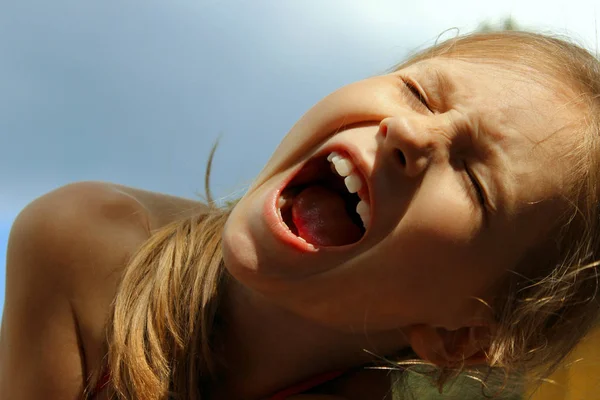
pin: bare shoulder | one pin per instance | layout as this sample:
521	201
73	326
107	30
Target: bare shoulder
162	208
66	252
67	227
88	227
82	236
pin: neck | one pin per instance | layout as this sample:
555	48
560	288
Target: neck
266	348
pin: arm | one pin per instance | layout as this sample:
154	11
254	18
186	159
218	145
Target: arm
64	257
40	355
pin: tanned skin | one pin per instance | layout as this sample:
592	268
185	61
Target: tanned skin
66	254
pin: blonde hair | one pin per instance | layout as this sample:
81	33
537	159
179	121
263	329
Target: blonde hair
164	316
161	331
548	303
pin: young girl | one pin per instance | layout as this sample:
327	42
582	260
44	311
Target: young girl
448	208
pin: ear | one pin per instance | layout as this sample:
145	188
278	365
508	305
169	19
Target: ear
463	346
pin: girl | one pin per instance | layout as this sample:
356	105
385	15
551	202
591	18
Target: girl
448	208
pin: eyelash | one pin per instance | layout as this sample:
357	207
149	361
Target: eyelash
416	94
476	186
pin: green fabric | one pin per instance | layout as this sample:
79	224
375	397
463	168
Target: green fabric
408	385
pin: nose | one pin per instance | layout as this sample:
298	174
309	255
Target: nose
410	145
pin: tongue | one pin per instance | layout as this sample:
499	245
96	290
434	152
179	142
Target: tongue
320	216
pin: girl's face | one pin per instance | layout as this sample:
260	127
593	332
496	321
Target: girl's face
460	165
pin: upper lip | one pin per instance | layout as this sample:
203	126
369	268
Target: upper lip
366	192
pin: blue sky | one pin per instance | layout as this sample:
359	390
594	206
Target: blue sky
135	92
4	228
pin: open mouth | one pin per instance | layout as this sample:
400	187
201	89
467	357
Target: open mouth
327	202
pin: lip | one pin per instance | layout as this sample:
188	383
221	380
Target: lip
275	221
281	230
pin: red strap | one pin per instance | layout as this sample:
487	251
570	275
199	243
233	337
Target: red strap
306	385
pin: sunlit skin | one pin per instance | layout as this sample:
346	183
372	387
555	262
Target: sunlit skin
465	167
465	164
432	247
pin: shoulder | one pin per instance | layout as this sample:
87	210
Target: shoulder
62	229
66	254
83	220
60	249
76	206
78	239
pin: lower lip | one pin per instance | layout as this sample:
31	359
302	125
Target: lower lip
279	228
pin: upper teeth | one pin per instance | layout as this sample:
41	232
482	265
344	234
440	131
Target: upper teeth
344	167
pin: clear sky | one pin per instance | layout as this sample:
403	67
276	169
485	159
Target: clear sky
135	92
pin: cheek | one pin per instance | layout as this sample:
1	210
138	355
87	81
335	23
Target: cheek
442	213
365	101
239	251
439	235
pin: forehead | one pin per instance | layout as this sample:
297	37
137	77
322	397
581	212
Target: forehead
515	93
526	122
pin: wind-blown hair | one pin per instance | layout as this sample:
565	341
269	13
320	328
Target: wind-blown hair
161	331
547	303
160	334
165	312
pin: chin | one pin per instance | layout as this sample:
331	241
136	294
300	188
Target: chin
251	252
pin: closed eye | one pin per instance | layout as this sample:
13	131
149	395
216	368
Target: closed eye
416	94
477	188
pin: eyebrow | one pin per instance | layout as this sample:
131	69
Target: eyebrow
444	86
501	181
443	81
482	139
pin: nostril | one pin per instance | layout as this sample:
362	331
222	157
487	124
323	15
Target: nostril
401	157
383	130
